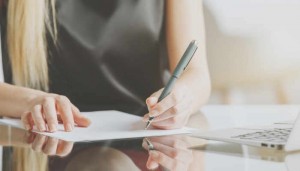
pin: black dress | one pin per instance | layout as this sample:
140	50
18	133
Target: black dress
110	53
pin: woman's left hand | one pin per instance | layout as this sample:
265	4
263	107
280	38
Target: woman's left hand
174	110
49	145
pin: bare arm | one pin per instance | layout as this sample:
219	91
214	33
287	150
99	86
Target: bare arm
39	108
184	23
14	101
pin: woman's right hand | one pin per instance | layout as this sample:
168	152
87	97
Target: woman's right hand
46	110
171	152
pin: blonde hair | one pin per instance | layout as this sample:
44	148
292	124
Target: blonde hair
25	159
27	23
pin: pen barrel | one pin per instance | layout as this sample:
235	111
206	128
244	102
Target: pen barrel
168	88
185	59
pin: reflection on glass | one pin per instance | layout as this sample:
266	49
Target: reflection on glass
171	153
28	151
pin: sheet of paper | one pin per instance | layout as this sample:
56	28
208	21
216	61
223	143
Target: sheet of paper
105	125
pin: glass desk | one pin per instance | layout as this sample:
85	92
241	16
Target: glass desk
26	151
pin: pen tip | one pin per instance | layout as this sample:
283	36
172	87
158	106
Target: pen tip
148	123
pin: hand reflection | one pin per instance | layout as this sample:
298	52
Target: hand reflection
49	145
170	152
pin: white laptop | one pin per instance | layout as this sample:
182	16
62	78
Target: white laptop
282	136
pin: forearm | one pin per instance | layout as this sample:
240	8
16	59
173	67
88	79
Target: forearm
185	23
198	81
14	100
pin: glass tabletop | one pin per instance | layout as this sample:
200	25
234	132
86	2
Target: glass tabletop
28	151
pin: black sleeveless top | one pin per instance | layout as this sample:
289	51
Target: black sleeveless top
110	53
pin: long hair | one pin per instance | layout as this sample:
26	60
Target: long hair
26	159
28	21
27	24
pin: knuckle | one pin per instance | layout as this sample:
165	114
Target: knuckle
175	110
174	154
174	120
175	98
36	108
62	98
159	108
76	109
177	144
47	100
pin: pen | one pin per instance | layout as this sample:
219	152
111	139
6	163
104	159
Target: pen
181	66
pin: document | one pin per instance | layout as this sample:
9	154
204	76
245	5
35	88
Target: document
106	125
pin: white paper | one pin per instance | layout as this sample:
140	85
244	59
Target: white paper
105	125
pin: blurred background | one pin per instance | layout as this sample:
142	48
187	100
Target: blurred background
253	49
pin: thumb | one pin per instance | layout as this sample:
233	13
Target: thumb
79	118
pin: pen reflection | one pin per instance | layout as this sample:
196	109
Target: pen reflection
170	153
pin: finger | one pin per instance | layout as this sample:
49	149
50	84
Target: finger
38	118
171	100
172	123
163	160
179	109
64	108
151	101
177	154
157	94
26	122
38	143
64	148
172	112
177	142
79	119
50	146
151	165
146	146
31	137
50	114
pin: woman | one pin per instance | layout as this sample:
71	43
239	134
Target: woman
99	55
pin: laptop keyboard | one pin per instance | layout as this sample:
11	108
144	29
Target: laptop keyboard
279	135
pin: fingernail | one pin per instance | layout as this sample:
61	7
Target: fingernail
69	127
42	127
52	127
153	165
153	153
